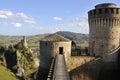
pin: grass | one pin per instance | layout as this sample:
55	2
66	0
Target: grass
5	74
33	45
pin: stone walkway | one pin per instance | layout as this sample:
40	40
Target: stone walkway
60	71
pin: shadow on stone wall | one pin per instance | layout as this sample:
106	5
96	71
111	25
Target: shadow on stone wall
88	71
95	70
109	71
42	74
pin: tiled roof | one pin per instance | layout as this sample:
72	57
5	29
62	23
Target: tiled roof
55	37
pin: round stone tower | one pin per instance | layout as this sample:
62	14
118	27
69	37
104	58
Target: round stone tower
51	46
104	24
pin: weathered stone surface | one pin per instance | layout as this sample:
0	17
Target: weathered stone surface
104	23
50	47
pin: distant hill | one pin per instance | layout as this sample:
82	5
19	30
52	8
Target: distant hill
78	38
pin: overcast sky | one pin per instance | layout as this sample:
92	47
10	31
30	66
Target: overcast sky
32	17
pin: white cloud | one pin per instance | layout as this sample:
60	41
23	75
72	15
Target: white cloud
3	17
57	18
25	18
5	14
76	24
79	22
16	17
16	24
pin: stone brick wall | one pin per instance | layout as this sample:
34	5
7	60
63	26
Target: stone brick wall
49	49
76	61
88	71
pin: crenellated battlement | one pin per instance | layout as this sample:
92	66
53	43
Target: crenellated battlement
103	11
106	5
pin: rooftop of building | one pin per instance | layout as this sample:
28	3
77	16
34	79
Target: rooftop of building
106	5
55	38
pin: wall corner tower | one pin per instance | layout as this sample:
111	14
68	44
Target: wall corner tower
104	25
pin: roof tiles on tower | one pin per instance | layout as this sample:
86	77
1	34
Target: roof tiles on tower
56	38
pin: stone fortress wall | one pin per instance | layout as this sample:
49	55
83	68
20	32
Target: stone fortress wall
53	46
104	45
50	47
76	61
104	23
